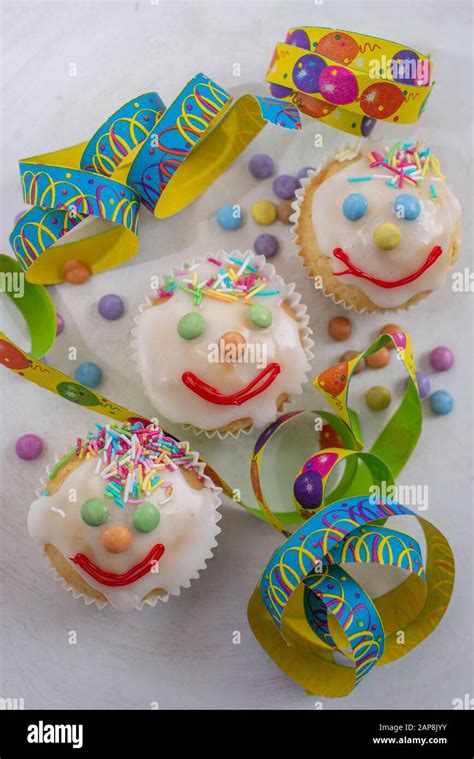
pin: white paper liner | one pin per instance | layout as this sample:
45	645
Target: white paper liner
199	467
292	298
346	153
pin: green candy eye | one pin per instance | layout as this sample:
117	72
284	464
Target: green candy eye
259	315
94	512
191	325
146	517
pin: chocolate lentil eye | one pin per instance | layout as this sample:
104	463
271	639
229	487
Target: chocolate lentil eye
191	325
407	207
95	512
354	206
146	517
260	315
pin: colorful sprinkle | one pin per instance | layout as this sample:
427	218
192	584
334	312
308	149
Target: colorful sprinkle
133	459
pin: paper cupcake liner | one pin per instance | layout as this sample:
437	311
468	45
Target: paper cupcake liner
346	153
199	467
293	299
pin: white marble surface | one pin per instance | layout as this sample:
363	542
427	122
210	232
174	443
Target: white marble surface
181	654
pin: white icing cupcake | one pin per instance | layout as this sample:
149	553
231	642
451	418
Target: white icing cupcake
127	517
223	344
379	231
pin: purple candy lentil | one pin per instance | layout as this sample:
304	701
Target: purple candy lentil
442	358
59	324
266	245
308	489
284	186
304	172
29	447
261	166
111	306
424	384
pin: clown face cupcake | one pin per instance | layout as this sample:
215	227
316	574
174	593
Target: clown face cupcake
127	517
379	231
223	344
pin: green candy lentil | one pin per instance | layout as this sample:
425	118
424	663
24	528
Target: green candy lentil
191	325
378	398
146	517
260	315
94	512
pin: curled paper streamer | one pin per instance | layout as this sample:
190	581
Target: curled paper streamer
350	80
307	605
144	153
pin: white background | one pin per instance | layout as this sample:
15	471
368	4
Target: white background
181	653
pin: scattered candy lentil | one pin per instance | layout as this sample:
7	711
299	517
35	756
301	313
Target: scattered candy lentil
29	447
284	186
264	212
89	374
339	328
378	359
229	216
266	245
261	166
442	358
390	328
349	355
424	384
285	210
76	272
111	306
59	324
304	172
378	398
441	402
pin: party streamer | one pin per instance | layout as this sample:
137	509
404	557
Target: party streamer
163	158
349	80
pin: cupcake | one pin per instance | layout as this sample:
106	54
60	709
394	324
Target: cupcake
378	231
223	344
127	517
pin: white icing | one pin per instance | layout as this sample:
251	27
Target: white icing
162	355
187	529
435	225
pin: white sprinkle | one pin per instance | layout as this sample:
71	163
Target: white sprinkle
58	511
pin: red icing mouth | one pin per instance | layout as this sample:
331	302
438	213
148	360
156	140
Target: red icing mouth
262	381
352	269
116	580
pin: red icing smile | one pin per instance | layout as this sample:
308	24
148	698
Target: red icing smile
116	580
255	387
352	269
